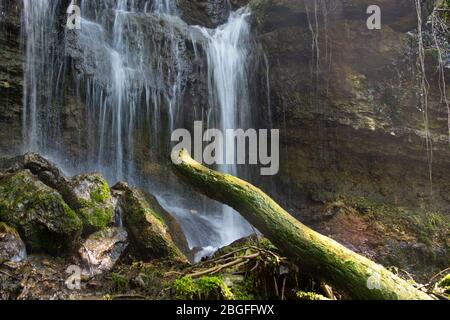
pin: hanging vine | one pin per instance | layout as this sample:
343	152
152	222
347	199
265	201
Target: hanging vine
424	90
439	27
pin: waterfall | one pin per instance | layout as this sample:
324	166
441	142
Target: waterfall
228	89
128	68
164	7
40	117
129	83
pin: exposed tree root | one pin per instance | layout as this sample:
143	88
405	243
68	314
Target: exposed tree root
233	259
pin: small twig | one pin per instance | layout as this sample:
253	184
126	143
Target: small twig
7	274
277	258
439	295
327	291
215	269
177	273
255	267
230	254
397	271
431	282
229	260
283	288
276	286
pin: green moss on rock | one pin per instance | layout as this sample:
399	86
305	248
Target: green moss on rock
445	284
302	295
119	282
204	288
427	226
44	221
148	231
185	288
91	197
96	218
101	192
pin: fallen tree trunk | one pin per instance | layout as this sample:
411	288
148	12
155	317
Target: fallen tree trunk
320	256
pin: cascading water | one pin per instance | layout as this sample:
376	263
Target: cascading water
128	67
127	81
164	7
40	117
228	87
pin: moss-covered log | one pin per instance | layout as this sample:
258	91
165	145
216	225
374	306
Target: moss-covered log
321	256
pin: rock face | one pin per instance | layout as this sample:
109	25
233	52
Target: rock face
347	102
100	252
148	226
11	78
39	213
12	247
208	13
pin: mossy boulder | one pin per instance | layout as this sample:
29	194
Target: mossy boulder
43	169
204	288
90	196
12	247
44	221
148	230
87	194
174	228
